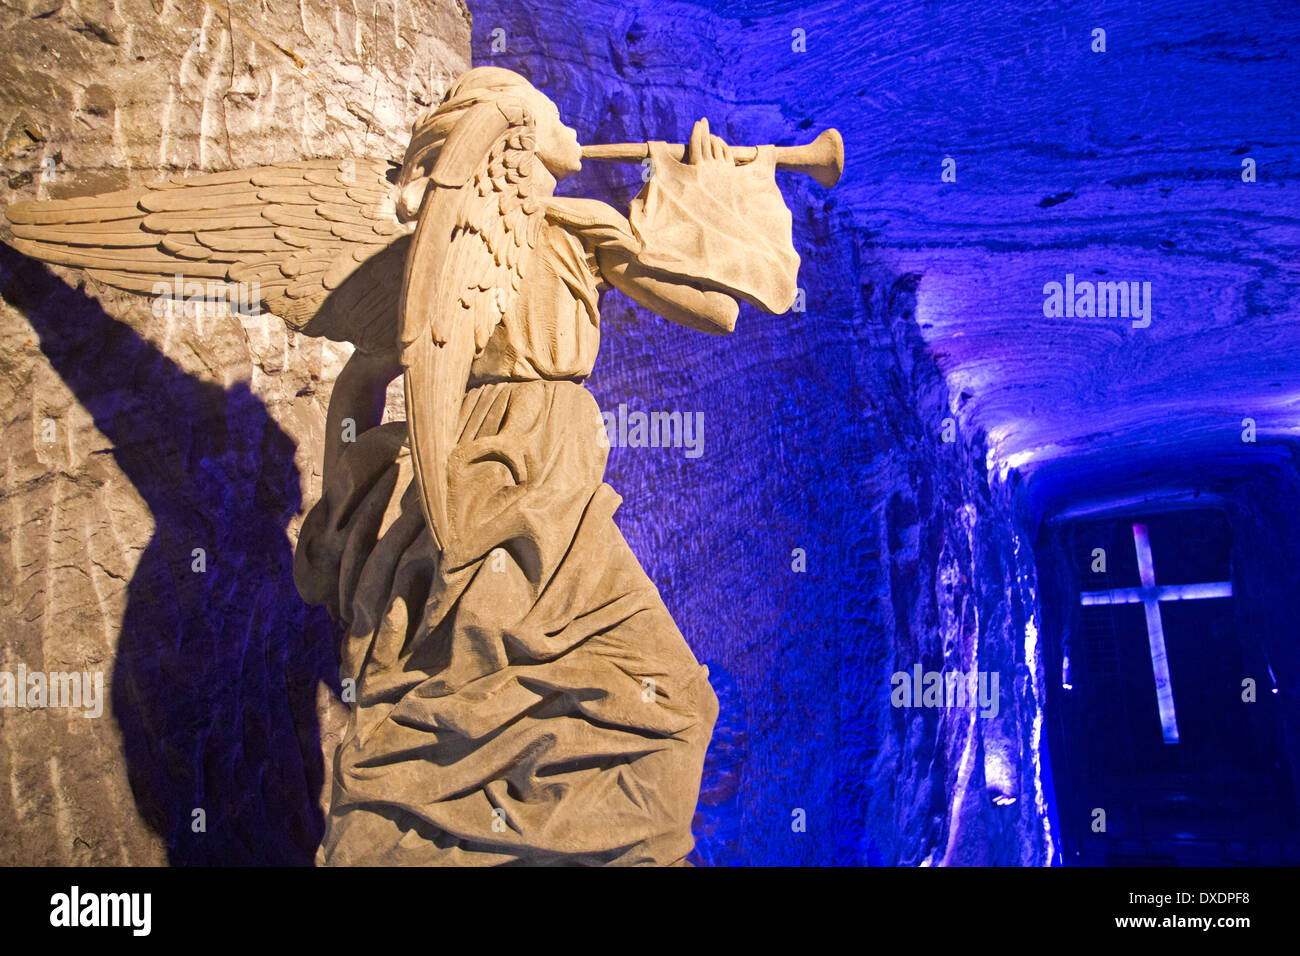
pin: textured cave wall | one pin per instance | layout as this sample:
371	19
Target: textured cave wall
1261	509
170	434
960	595
823	432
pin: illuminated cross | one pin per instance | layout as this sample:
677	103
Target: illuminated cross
1150	596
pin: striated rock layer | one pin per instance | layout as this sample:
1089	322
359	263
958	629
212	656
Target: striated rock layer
155	468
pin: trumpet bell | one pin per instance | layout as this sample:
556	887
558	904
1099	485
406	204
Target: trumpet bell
822	159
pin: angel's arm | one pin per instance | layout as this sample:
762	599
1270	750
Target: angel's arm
676	300
359	395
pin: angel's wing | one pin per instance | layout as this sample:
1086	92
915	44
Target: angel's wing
317	243
479	221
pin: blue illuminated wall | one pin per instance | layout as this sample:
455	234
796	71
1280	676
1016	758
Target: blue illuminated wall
822	433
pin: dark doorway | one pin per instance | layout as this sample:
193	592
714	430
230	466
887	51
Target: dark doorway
1149	712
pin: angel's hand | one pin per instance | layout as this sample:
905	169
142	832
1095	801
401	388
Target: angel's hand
357	400
707	148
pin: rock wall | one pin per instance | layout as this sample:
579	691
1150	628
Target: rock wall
137	448
956	594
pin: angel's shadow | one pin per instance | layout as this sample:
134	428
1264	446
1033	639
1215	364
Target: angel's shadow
214	684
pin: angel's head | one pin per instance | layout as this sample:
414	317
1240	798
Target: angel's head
557	144
449	140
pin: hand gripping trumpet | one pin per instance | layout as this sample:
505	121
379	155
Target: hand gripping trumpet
822	159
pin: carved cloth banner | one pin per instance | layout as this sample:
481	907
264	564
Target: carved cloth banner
725	227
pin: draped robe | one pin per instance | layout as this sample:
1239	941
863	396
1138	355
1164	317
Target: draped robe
523	697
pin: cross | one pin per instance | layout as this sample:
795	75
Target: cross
1150	596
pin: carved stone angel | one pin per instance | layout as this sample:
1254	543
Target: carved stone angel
521	692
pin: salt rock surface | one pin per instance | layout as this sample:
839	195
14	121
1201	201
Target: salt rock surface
174	434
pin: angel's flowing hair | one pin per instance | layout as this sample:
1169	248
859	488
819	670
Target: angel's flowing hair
430	132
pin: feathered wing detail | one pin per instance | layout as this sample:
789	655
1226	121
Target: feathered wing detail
478	225
317	243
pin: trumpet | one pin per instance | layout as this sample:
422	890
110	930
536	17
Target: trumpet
822	159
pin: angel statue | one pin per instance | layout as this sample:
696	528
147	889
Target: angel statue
522	694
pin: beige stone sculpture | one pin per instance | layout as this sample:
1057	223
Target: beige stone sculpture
519	692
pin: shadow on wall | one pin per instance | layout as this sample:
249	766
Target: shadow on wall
214	683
